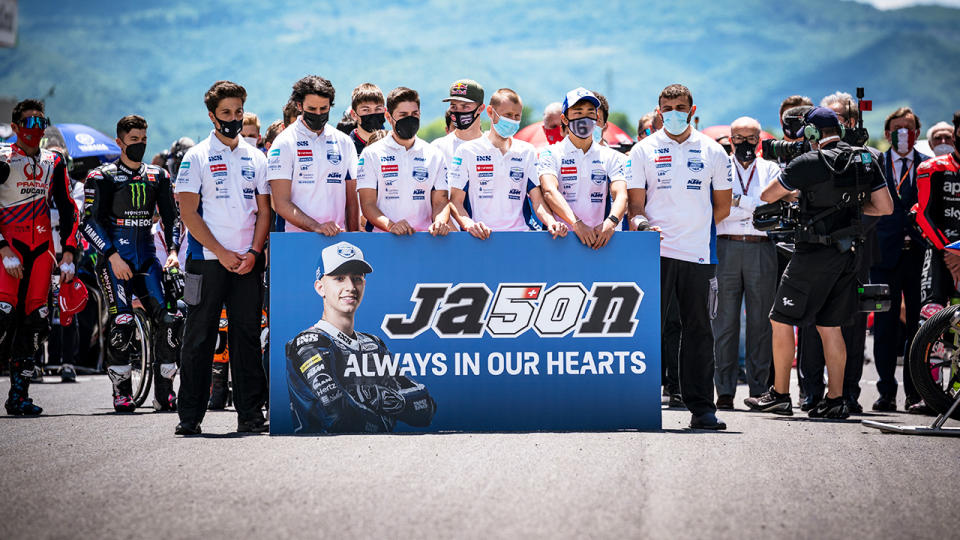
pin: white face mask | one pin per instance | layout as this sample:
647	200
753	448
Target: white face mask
252	141
942	149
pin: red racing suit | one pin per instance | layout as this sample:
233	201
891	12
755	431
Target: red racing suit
25	197
938	216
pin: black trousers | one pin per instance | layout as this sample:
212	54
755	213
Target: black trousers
687	285
904	278
670	350
243	297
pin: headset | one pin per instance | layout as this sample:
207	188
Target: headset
812	133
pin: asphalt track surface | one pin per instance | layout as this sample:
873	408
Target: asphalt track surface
81	471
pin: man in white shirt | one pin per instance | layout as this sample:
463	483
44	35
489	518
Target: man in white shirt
498	173
583	182
747	270
679	182
402	180
312	167
466	106
225	204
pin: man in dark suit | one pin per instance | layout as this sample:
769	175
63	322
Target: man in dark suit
900	250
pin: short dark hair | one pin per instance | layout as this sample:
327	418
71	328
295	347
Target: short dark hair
649	117
273	130
900	113
448	118
24	106
290	112
130	122
675	91
956	120
400	94
829	131
346	123
222	90
794	101
312	85
366	93
604	107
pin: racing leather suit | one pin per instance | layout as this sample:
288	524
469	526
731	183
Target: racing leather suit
31	184
118	218
327	396
938	215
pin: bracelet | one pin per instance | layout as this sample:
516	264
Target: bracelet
614	219
255	252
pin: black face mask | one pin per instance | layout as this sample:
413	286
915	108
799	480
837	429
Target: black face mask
371	122
463	120
230	129
315	121
407	127
135	151
745	151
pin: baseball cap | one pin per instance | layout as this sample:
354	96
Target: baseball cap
342	258
822	117
578	94
466	90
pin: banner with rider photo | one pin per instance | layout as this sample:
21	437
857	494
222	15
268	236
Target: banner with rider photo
520	332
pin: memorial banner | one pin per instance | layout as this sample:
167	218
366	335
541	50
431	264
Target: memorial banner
520	332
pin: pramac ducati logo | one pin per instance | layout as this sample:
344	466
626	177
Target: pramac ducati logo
32	171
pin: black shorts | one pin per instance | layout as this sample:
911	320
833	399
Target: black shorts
818	287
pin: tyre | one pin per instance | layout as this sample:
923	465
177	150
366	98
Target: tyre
142	362
935	361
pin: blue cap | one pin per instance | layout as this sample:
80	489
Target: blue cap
822	117
579	94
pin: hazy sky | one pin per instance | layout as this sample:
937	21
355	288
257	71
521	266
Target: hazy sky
893	4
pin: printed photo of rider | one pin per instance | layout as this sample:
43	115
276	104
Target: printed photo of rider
326	396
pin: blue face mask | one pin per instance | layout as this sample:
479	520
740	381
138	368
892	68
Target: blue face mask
506	127
675	122
597	133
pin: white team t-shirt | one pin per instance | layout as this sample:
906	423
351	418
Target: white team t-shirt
680	180
318	166
404	179
228	182
584	178
496	184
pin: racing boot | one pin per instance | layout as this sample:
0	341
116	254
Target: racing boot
219	389
164	398
68	374
122	388
18	404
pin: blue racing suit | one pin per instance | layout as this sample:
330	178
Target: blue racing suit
118	215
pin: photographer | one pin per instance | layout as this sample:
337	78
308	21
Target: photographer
836	182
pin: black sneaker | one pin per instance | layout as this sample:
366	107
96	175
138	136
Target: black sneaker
187	428
832	408
259	425
771	401
68	374
809	403
676	402
854	407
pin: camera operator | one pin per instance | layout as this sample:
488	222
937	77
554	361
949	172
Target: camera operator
836	183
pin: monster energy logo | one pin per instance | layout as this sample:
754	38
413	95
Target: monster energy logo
138	194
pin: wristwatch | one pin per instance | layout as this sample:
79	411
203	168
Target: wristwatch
614	219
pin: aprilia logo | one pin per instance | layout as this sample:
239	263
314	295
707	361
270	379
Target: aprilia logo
466	311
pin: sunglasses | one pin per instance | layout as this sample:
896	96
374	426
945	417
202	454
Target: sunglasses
34	122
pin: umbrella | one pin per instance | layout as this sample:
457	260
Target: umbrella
534	135
84	141
716	132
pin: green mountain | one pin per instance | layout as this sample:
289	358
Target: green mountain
103	60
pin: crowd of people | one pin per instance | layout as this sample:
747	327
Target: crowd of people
194	224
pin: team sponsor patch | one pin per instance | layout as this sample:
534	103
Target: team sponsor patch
485	168
248	172
313	360
516	174
420	174
389	168
568	170
663	159
598	176
304	152
695	164
333	156
694	184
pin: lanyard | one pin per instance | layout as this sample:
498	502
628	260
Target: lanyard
749	180
904	175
